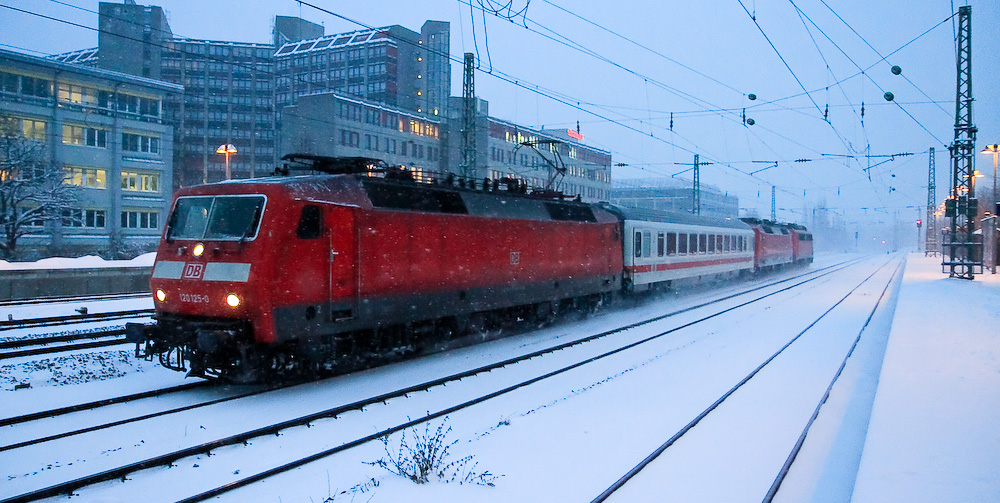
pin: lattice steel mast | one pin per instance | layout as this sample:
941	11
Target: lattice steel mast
962	256
468	166
696	188
931	237
774	212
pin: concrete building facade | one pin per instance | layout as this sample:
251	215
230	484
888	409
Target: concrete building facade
106	130
332	124
673	194
392	65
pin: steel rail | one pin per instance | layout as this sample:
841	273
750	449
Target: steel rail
117	341
99	403
73	298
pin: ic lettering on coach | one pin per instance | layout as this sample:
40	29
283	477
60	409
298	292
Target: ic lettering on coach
193	271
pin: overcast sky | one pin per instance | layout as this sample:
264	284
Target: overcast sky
621	68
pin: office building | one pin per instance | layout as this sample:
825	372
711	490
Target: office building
107	132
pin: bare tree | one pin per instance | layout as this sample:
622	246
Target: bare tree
32	189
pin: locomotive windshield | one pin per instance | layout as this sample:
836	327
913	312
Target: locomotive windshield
216	217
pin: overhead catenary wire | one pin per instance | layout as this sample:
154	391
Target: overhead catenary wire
541	92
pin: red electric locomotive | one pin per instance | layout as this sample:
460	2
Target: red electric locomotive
291	272
772	244
802	244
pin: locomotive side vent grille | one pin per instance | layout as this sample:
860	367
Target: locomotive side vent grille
415	198
575	212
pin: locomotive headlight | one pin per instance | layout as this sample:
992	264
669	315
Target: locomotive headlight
233	300
161	295
198	250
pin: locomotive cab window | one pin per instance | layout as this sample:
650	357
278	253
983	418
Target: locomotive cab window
225	218
310	222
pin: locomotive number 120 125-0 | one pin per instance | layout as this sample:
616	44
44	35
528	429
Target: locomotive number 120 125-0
195	298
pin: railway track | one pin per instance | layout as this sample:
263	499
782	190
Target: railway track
781	473
55	344
168	458
74	298
50	321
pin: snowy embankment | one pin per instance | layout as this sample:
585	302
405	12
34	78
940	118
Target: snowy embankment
87	262
935	427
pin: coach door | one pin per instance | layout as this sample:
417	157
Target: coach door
343	258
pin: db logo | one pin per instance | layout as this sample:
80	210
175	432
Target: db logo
193	271
515	258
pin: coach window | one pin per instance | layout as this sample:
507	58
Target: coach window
725	243
671	243
711	244
659	244
310	223
682	243
637	245
702	243
718	243
647	244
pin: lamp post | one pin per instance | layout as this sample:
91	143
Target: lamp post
227	149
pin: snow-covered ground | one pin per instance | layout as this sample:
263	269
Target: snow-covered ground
933	404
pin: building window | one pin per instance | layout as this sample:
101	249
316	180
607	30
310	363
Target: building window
91	178
76	94
140	143
33	129
79	135
142	182
36	87
93	219
139	219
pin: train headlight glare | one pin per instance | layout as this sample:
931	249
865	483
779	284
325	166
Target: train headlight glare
161	295
198	250
233	300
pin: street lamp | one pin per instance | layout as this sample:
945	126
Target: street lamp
227	149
